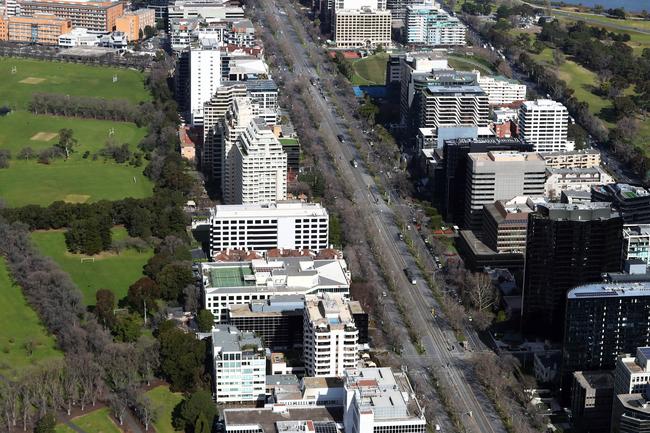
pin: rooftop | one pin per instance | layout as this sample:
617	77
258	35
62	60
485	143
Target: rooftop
272	307
505	156
605	290
543	104
275	210
595	379
622	191
226	338
636	230
329	311
267	419
276	275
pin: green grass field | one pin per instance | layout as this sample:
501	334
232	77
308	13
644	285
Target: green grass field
165	400
470	63
34	76
631	23
19	325
19	129
370	70
98	421
108	271
76	180
638	41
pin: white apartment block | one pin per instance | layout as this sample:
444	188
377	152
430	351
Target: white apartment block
586	158
501	90
453	105
362	28
239	365
632	373
258	173
79	37
431	26
574	179
636	242
359	4
205	77
209	11
379	400
238	117
238	283
260	227
500	175
544	124
330	336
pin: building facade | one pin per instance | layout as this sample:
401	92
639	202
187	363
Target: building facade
636	242
362	28
258	173
330	336
132	23
505	223
431	26
237	283
501	90
205	77
567	246
586	158
42	29
575	179
500	175
261	227
98	16
592	393
544	124
239	365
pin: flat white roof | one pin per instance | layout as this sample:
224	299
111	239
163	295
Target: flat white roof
276	210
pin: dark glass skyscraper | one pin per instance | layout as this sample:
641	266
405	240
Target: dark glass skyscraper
567	245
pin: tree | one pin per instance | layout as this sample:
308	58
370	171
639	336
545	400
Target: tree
479	291
145	411
187	412
558	57
89	236
128	328
202	425
182	357
66	141
172	280
149	32
46	424
5	155
104	306
624	106
205	320
143	292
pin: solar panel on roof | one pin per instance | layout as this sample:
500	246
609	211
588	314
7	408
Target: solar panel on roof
645	351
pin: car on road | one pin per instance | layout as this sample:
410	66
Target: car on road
354	163
410	276
341	138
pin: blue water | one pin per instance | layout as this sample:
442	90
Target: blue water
629	5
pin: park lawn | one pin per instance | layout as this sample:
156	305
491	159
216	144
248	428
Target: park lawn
469	64
76	181
97	421
19	324
165	401
108	271
604	21
581	80
370	70
34	76
638	41
20	129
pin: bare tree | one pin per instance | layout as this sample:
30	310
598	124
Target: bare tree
479	291
119	403
145	411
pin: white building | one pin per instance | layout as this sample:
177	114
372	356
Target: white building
431	26
79	37
501	90
258	173
207	10
330	336
238	117
239	365
260	227
586	158
575	179
358	4
205	76
544	124
237	283
381	401
362	28
632	373
636	242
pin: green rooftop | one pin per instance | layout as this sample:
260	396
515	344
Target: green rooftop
230	276
288	141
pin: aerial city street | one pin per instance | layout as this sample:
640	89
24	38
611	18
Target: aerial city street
324	216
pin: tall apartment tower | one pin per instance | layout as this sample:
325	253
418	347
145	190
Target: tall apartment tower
330	336
544	124
258	173
431	26
205	77
602	321
214	112
631	411
567	245
501	175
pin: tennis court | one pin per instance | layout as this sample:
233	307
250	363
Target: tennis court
230	277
